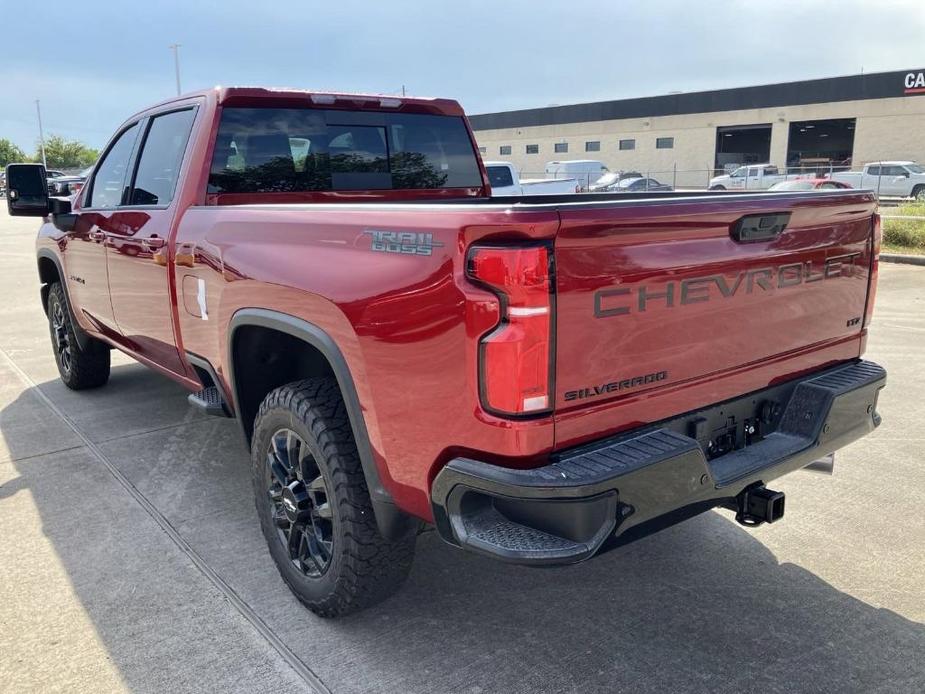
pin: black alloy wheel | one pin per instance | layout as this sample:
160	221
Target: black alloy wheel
300	503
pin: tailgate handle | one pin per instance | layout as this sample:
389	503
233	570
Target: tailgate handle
760	227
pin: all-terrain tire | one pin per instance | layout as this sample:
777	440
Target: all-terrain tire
79	368
364	568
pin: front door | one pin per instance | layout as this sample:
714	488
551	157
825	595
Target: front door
139	281
85	246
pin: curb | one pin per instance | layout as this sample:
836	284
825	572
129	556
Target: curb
904	259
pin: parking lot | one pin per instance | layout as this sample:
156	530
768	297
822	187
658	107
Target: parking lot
131	559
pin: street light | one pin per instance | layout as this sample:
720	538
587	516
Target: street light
175	47
38	112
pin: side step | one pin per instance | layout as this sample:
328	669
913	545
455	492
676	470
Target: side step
210	401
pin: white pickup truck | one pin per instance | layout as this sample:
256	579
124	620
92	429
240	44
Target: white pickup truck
505	181
751	177
900	178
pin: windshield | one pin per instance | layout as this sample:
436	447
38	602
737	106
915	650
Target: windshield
916	168
794	185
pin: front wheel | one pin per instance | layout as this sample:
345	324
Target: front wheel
918	194
314	505
717	187
79	367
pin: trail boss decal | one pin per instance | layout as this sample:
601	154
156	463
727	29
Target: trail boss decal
405	242
620	301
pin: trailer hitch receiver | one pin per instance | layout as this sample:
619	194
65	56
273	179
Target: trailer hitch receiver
757	505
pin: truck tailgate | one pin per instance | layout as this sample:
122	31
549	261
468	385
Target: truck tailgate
660	310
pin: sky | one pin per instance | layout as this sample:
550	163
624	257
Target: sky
93	63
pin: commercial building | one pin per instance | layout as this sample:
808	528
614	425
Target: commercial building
686	137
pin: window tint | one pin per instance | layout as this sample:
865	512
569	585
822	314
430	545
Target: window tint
110	174
593	146
664	143
561	147
161	154
500	176
266	150
627	144
533	149
505	150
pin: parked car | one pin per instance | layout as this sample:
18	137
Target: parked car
810	184
893	178
64	186
628	185
751	177
505	181
586	171
538	380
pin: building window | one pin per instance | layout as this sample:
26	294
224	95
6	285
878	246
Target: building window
533	149
593	146
483	150
504	150
627	144
561	147
664	143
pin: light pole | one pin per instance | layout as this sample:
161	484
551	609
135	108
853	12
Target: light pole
175	47
38	112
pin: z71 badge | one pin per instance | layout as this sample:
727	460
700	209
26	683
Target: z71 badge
405	242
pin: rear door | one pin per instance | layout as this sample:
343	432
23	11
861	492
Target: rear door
654	296
139	280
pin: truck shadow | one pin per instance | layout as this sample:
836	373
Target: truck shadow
703	606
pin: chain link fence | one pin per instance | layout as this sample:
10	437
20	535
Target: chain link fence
751	177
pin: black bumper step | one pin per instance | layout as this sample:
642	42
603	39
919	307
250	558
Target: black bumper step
210	401
564	511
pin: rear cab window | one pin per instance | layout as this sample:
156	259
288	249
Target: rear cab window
310	150
500	176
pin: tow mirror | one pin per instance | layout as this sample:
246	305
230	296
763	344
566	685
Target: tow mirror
26	190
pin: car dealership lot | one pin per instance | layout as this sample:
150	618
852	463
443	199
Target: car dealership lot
131	558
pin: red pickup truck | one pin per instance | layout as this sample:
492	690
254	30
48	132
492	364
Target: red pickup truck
540	378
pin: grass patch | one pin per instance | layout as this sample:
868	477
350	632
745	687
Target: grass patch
905	235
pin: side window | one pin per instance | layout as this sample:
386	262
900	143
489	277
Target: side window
159	164
873	170
500	176
107	186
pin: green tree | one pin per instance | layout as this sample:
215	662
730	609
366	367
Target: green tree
66	154
10	153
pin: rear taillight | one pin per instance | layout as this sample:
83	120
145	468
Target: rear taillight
875	240
515	359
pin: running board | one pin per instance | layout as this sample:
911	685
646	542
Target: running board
209	400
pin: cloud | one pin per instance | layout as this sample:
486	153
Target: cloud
489	55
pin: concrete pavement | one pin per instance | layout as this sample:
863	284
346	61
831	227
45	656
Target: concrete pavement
131	559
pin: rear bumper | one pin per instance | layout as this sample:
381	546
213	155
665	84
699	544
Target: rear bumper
629	486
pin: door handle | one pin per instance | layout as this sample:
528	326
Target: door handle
97	235
153	243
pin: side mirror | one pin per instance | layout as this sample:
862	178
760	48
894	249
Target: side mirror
26	190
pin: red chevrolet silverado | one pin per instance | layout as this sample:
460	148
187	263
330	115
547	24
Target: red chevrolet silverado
540	378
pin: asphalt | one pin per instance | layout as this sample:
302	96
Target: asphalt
131	559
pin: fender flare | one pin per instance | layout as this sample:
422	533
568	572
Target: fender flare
392	521
82	337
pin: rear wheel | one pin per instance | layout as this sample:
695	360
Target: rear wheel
79	367
314	505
